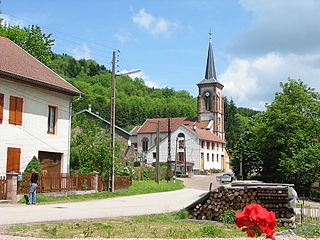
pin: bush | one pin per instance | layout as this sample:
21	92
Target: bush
33	164
315	194
148	173
213	170
228	217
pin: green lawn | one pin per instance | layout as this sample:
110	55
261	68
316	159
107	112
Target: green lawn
137	187
149	226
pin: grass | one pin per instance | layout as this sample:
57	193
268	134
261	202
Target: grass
308	228
137	187
167	225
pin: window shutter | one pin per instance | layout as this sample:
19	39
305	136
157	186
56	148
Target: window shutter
19	110
12	110
13	159
1	107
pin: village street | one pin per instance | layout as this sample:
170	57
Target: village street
112	207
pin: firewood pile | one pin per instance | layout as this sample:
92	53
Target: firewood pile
236	196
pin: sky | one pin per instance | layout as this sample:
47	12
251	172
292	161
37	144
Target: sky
257	43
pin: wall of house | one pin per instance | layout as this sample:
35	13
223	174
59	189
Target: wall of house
215	155
32	136
192	148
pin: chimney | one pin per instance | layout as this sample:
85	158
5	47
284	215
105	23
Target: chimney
89	107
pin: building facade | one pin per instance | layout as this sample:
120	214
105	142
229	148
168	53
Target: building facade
199	141
35	112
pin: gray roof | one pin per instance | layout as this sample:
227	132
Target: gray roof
210	75
102	119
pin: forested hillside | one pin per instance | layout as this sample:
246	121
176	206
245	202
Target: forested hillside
135	101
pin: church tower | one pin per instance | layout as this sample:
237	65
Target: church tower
210	99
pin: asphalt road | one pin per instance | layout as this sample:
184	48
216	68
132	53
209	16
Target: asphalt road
104	208
201	182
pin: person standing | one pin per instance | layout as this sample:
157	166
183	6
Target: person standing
32	195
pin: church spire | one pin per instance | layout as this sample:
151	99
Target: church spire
210	75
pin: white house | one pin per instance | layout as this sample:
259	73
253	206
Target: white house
197	140
35	112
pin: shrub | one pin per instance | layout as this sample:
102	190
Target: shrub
228	217
34	163
315	194
214	170
148	173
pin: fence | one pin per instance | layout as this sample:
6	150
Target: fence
57	182
3	187
120	182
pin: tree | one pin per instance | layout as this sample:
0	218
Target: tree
245	150
288	134
90	147
30	39
33	164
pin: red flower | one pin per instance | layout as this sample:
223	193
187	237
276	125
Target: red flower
256	220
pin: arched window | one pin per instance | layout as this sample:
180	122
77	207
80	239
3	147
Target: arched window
145	142
181	140
207	101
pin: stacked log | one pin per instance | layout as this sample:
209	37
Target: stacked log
274	198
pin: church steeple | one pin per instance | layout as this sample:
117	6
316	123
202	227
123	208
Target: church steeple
210	75
210	98
210	68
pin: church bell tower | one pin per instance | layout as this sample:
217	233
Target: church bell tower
210	98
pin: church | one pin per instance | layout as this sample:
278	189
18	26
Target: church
199	142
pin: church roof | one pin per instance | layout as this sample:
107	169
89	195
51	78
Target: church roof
150	125
205	134
210	75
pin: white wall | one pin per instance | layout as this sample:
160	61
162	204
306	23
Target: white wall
32	136
217	152
192	147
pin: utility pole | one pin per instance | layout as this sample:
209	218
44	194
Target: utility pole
169	150
112	121
185	159
175	162
157	153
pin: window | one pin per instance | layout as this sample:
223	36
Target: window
52	119
154	155
208	158
15	110
145	142
181	140
208	145
212	157
217	157
202	144
13	159
1	107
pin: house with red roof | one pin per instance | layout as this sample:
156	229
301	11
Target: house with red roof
35	112
195	141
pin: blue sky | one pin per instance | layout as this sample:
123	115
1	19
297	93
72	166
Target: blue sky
256	43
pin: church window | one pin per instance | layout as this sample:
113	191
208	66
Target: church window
207	101
181	140
145	142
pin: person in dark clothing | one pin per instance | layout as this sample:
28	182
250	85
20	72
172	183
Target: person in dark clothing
32	195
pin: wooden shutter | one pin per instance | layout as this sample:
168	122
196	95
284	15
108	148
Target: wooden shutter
19	110
1	107
15	110
12	110
13	159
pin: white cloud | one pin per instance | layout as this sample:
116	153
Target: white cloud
82	51
154	26
9	20
152	84
253	82
123	36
